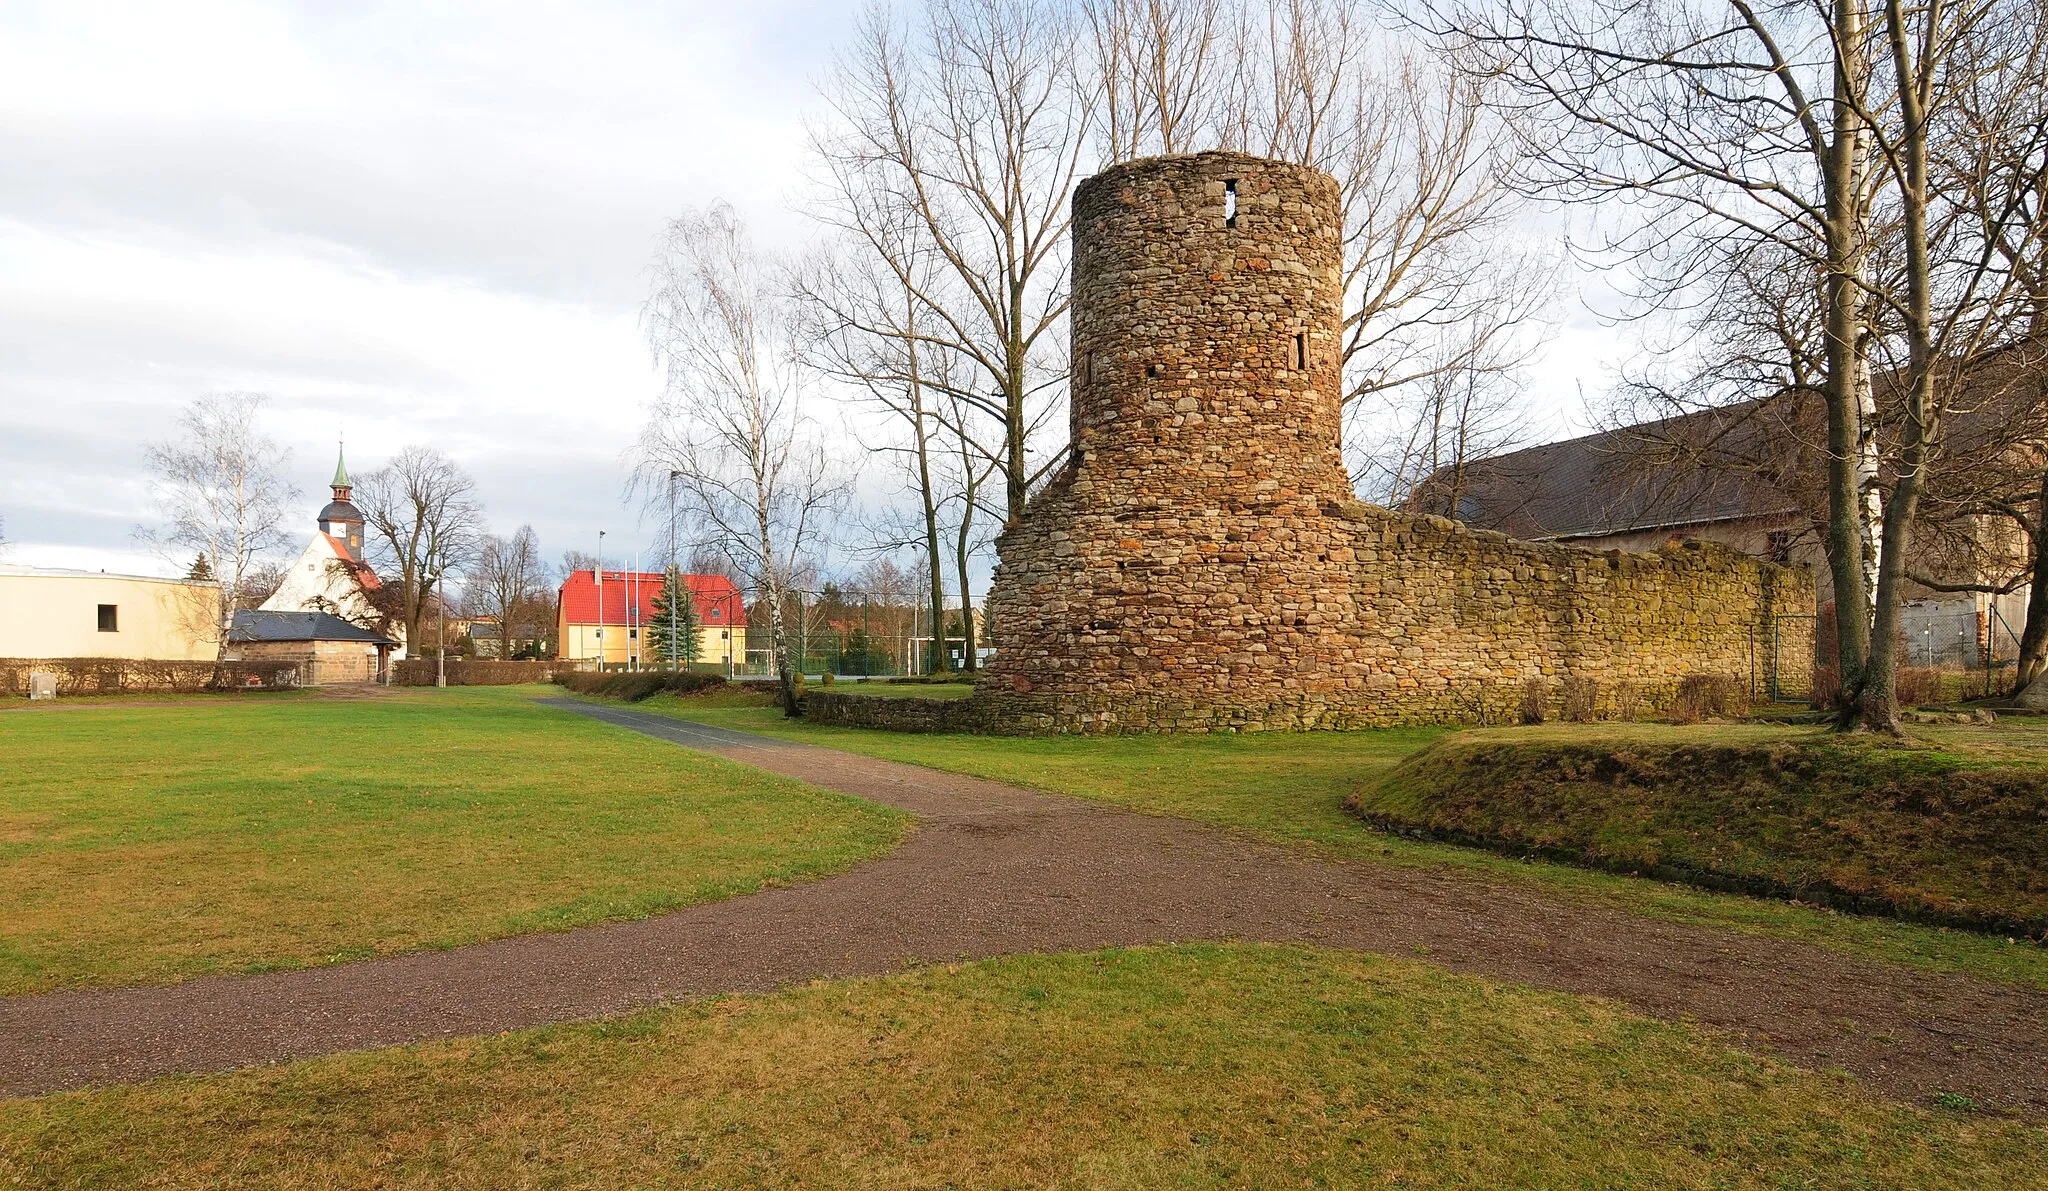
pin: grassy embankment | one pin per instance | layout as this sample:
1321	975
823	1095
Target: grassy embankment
1292	788
1198	1066
148	841
1862	823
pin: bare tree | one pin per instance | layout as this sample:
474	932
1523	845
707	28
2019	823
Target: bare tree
424	522
1732	129
1432	432
504	580
222	495
868	328
1431	261
970	120
729	430
1157	61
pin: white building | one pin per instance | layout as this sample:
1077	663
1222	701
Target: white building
330	574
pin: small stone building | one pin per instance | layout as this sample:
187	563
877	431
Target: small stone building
327	650
1200	562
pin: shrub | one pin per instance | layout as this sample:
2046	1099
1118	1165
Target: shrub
1581	697
827	678
1918	686
634	686
1535	703
1703	696
1628	701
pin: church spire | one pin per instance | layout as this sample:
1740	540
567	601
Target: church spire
340	483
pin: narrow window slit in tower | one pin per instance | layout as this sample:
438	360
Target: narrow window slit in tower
1300	350
1230	202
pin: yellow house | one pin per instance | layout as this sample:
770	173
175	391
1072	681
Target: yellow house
607	617
49	613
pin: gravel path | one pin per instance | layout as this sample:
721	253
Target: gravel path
993	869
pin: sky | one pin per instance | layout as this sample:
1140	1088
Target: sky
414	223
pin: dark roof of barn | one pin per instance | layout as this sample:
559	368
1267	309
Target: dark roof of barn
299	626
1600	484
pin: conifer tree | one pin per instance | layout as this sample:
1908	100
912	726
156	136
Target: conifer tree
673	610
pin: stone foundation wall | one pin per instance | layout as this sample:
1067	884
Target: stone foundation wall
1200	562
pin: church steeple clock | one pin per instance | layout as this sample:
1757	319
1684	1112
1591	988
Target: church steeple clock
340	520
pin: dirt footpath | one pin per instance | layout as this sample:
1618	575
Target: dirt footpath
993	869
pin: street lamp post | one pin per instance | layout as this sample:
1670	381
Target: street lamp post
599	572
674	573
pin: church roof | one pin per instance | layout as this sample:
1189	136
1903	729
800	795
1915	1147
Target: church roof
340	510
340	470
299	626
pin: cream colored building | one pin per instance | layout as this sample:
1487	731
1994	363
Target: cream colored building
48	613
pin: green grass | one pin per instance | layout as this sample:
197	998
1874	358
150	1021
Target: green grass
1291	788
1193	1066
145	844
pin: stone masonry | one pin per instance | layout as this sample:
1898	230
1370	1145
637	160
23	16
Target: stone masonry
1201	562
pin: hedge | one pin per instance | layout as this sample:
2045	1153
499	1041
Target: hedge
128	676
634	686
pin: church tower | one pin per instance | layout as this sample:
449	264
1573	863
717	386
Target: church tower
340	520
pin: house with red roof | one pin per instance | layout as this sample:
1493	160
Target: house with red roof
606	613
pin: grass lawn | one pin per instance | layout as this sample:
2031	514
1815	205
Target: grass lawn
1195	1066
1291	787
150	841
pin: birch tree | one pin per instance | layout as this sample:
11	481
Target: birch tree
220	491
729	429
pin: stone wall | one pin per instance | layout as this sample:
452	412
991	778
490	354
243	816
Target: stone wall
1200	561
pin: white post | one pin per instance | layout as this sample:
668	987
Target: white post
441	653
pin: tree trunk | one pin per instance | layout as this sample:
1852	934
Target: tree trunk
2034	637
935	558
1848	442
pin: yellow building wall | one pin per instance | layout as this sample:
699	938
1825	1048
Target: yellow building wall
579	642
55	614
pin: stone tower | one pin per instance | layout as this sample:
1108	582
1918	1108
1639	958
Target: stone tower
1190	563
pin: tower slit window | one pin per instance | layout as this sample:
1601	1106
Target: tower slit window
1300	350
1230	202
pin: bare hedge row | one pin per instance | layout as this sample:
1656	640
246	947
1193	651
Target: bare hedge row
128	676
476	672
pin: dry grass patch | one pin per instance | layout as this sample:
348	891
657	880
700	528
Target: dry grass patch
1190	1066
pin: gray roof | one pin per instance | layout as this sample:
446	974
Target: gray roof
300	626
1657	475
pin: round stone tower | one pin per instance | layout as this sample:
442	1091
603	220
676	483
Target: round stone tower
1206	292
1189	567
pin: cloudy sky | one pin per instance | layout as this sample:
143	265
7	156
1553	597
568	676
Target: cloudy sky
414	223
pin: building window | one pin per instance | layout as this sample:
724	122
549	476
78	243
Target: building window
1230	202
110	618
1778	546
633	634
1301	351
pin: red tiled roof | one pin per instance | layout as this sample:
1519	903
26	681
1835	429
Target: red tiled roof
364	575
634	592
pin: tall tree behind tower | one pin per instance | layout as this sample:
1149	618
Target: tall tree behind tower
424	521
221	494
970	119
